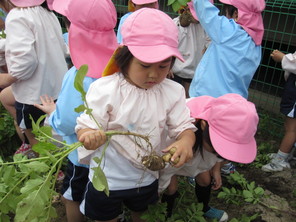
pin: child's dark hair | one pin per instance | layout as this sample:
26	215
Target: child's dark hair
123	58
230	9
44	5
66	21
201	136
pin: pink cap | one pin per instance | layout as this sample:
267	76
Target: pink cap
192	10
27	3
249	17
232	125
143	2
49	4
151	35
92	39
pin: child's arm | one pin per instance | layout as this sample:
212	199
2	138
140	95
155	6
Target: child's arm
216	175
91	139
183	144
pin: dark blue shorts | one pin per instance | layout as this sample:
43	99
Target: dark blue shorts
97	206
23	113
288	101
75	182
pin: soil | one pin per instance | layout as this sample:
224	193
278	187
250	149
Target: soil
280	188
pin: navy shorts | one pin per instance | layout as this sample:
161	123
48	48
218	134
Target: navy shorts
289	97
97	206
23	113
75	182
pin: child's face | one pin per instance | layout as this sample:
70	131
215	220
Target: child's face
146	75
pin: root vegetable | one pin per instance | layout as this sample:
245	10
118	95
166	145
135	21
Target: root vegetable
153	162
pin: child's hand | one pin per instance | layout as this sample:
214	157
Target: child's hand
92	139
183	147
277	55
216	175
48	105
180	154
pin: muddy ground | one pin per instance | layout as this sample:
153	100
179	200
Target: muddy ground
280	188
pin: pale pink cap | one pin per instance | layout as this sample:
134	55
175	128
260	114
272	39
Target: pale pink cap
232	125
49	4
192	10
92	39
143	2
249	17
27	3
151	35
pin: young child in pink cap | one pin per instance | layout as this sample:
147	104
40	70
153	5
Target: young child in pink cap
35	56
134	5
139	98
280	160
235	52
92	41
226	129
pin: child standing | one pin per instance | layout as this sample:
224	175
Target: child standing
35	56
92	41
138	98
279	161
193	42
234	54
134	5
226	127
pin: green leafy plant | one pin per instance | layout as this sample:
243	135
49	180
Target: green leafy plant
248	193
177	4
29	195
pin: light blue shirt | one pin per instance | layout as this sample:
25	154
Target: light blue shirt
122	20
231	59
63	119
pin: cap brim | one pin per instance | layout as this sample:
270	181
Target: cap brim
91	48
30	3
198	105
156	53
61	7
241	153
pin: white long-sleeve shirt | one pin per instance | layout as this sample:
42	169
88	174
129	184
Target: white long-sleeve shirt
118	105
35	53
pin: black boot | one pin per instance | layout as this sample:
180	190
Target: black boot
170	200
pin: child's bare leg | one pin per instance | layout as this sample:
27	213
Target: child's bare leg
72	211
290	135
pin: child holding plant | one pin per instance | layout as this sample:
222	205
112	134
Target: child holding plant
193	41
139	98
92	41
226	128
